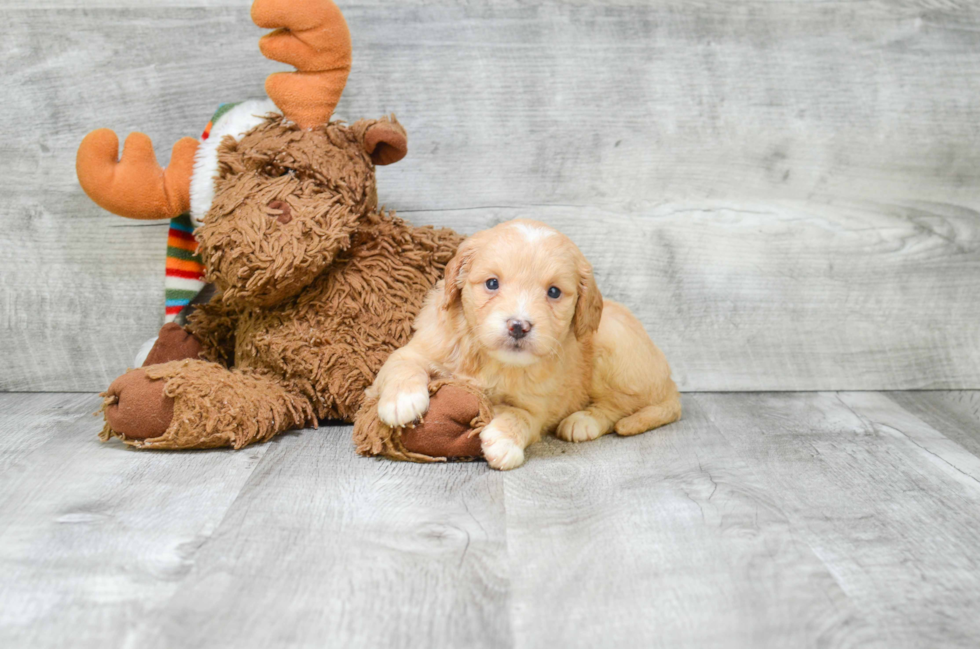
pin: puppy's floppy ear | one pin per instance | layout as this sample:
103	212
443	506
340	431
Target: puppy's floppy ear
384	139
456	271
588	303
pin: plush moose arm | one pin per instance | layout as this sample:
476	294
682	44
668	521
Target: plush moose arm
213	325
208	334
212	339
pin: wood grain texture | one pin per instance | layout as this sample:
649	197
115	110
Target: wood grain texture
344	551
957	414
94	537
664	540
826	151
759	520
888	503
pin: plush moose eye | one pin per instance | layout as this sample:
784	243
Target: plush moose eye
492	284
275	171
554	292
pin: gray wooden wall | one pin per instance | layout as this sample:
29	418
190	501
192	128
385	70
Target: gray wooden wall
784	192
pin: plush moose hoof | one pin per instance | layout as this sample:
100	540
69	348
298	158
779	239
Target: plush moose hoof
448	431
173	343
445	431
137	408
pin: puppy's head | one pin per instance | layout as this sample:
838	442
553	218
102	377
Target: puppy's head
524	289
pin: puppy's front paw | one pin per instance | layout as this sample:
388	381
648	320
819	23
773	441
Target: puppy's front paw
579	427
402	407
499	449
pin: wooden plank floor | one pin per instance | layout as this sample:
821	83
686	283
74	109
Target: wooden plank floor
831	519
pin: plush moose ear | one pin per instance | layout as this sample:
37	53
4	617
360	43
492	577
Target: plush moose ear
384	140
456	271
588	303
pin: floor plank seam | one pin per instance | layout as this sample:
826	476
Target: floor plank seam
511	617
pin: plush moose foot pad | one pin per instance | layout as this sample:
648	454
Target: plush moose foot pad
450	430
136	407
174	343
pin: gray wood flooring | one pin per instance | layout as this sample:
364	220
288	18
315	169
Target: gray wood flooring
821	519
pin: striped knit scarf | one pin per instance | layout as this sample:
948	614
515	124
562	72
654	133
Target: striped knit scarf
185	272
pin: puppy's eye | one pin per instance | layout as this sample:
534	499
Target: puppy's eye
492	284
554	292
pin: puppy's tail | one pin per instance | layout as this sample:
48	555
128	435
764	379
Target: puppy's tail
650	417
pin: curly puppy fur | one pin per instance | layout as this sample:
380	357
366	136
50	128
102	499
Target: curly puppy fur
315	287
520	317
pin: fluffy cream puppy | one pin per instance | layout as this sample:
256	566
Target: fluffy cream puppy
519	315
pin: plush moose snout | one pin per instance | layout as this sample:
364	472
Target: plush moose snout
264	253
281	211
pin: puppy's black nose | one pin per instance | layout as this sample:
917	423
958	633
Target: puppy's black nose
518	328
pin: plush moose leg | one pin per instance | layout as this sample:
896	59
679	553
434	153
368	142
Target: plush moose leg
450	429
199	404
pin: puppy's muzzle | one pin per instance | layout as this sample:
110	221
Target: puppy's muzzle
518	328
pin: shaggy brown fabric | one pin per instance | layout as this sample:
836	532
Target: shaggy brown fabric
326	178
306	311
449	430
173	344
213	407
214	325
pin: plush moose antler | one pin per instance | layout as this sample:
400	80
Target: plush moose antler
312	36
135	186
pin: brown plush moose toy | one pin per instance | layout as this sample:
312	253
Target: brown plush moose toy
314	285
